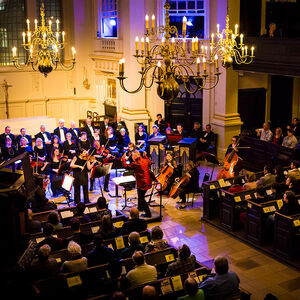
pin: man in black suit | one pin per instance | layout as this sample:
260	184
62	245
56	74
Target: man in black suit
197	133
180	130
7	132
74	131
61	131
119	125
23	134
46	138
161	123
135	223
207	139
104	124
296	127
89	128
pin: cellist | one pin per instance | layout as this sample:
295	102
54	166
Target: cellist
233	145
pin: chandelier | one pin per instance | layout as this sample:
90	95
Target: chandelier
43	47
171	59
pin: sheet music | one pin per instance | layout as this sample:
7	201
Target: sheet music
123	179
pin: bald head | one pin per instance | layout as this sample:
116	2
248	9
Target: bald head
134	213
149	292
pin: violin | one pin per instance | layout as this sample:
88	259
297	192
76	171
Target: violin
230	162
178	186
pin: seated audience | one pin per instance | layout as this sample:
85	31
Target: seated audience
265	133
268	177
290	204
135	223
107	229
296	127
157	242
260	195
278	170
290	140
192	290
169	130
184	263
250	183
100	254
117	281
149	293
295	171
54	242
276	194
291	184
237	185
142	273
34	226
45	266
102	209
134	245
53	218
77	262
278	136
79	213
223	284
118	296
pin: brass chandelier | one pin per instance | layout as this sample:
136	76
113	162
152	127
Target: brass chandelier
43	47
170	60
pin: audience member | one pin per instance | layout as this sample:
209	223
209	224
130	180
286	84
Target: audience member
44	267
289	141
250	183
278	136
268	177
265	134
237	185
291	184
296	127
53	218
34	226
102	209
184	263
224	283
275	188
118	296
157	242
77	262
79	213
149	293
290	204
107	229
278	170
135	223
169	130
295	171
260	195
142	273
100	254
134	245
192	290
54	242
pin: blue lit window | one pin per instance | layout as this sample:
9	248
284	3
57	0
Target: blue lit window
194	10
2	4
109	19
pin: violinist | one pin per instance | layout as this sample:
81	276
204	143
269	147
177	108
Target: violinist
40	154
84	143
69	146
123	141
129	151
192	185
55	143
24	146
110	141
81	165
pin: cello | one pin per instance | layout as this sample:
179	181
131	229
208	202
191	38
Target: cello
164	176
230	162
178	186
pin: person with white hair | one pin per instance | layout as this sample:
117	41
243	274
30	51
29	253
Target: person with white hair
24	146
77	262
74	131
118	125
123	141
61	130
23	134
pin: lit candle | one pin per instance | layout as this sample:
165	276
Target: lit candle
63	36
193	44
31	51
204	64
120	68
162	41
23	37
28	25
44	37
196	44
184	20
57	36
153	22
137	45
57	25
159	70
216	62
212	38
232	36
142	44
50	24
218	29
73	52
147	21
123	65
173	43
147	45
243	49
241	39
198	66
183	44
252	51
14	52
205	50
29	36
35	24
246	50
236	29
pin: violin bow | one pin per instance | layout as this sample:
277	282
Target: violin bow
61	159
87	160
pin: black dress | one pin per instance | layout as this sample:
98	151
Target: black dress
81	179
143	137
40	152
84	145
67	147
9	153
55	180
24	149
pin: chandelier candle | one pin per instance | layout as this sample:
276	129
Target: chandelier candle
184	20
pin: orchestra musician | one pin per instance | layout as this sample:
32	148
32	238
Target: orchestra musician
23	134
84	143
110	141
55	143
61	130
69	146
233	145
140	165
81	165
156	132
7	133
193	184
123	141
141	138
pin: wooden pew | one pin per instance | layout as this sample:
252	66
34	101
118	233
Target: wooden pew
287	242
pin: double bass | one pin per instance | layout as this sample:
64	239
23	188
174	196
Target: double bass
230	162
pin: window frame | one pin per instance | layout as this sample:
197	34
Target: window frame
100	18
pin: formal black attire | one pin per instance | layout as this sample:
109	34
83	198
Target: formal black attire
103	127
81	179
27	137
75	133
3	139
41	152
110	143
67	147
296	131
209	138
131	225
128	252
123	141
59	146
84	145
184	133
42	136
118	126
89	130
57	131
197	134
143	137
9	153
28	148
192	186
163	125
56	180
100	255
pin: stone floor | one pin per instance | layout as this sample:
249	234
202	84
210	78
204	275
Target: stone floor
259	274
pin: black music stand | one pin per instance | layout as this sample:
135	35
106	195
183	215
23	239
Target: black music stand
117	165
102	171
209	157
66	186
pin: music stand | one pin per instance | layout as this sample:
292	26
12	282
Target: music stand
209	157
101	171
67	185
